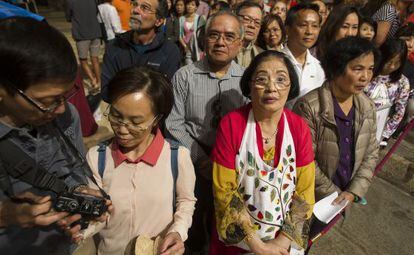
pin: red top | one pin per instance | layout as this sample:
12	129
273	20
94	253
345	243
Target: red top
232	127
150	156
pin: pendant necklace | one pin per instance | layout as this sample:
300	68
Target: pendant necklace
267	139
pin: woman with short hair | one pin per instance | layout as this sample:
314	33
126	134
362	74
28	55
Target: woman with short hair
263	169
154	196
342	120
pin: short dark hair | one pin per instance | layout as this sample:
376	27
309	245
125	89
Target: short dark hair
341	52
245	81
266	22
389	49
197	2
292	14
406	30
162	9
247	4
332	25
142	78
32	52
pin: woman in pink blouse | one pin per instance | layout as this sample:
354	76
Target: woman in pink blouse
390	88
137	170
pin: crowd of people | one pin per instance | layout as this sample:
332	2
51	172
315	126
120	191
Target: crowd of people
231	119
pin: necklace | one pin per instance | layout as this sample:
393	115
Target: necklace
267	139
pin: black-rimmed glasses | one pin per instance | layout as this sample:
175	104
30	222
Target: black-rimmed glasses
60	100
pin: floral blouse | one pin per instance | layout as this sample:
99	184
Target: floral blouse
384	92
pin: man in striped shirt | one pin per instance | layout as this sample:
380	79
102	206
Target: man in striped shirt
204	91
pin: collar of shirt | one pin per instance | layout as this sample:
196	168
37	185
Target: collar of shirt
308	61
150	156
339	113
235	70
4	129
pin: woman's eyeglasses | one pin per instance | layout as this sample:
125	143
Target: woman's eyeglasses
281	82
133	128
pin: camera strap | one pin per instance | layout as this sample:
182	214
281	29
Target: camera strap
19	165
76	153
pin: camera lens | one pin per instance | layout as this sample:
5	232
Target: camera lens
73	205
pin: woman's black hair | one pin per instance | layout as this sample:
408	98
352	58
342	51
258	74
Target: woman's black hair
341	52
405	31
265	23
369	21
32	52
143	79
246	80
197	2
389	49
332	25
173	10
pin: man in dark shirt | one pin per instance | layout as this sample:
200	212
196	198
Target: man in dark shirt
143	45
35	82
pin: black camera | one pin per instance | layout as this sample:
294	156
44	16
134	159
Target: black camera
88	206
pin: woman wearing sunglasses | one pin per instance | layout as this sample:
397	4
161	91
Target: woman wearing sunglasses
263	172
137	171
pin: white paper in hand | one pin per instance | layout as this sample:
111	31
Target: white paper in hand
325	211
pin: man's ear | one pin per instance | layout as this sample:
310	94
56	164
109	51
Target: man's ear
159	22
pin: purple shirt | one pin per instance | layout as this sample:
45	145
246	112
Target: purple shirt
346	141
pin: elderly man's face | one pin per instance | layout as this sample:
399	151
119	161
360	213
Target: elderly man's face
144	15
223	40
252	20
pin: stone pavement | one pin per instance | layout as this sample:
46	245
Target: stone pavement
383	227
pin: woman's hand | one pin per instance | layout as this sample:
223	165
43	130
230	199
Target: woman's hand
345	195
272	247
172	245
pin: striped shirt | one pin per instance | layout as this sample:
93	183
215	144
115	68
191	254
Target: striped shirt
388	13
196	90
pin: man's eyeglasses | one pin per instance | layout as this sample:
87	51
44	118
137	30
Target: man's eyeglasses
247	19
51	108
262	81
145	8
133	128
229	38
216	109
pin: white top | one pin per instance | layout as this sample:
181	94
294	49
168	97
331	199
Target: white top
311	74
111	19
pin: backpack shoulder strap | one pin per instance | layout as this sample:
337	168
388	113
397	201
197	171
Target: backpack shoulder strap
174	145
102	157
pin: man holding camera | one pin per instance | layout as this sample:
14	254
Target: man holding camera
41	148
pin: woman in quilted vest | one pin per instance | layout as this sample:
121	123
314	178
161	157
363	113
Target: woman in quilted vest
342	120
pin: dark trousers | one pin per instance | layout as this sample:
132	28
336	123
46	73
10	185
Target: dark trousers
200	231
316	227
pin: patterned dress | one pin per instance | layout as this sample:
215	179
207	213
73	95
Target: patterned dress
258	192
386	93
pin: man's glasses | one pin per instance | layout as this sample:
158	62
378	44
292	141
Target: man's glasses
216	109
133	128
145	8
247	19
51	108
228	38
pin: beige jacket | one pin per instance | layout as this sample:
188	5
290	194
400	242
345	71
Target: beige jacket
317	109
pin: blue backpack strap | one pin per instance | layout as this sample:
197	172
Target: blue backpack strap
174	145
101	158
